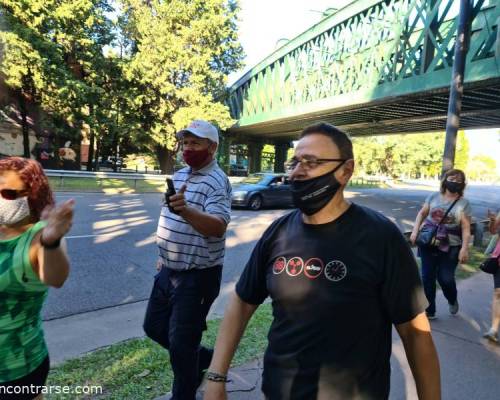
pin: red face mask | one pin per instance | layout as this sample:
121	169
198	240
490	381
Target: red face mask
195	158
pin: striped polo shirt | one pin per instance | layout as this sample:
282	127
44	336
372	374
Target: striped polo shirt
181	247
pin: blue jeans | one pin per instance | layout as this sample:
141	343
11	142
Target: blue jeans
175	318
440	265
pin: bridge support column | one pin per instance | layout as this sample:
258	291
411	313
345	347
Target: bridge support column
497	48
255	156
457	84
223	155
280	156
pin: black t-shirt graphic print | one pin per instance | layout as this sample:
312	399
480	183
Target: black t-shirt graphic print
336	290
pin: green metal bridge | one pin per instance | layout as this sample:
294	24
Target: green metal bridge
373	67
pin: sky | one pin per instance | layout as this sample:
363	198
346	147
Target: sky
263	23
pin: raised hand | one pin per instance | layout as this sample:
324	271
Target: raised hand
59	221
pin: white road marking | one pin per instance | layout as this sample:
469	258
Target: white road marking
90	236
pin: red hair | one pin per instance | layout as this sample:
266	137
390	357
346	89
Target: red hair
36	182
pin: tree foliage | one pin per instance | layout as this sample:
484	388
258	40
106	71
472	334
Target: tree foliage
180	55
52	57
410	155
137	73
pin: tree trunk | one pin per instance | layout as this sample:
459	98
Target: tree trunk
96	161
24	124
90	157
166	159
115	152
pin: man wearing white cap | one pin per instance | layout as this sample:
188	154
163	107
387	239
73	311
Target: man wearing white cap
191	241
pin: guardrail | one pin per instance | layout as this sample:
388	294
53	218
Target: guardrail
363	181
100	176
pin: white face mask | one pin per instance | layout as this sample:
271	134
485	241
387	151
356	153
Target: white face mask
13	211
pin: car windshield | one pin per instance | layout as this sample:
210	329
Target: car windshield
256	179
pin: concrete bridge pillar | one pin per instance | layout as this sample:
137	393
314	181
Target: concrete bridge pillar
255	156
223	155
280	155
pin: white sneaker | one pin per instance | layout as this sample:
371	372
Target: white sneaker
491	335
454	308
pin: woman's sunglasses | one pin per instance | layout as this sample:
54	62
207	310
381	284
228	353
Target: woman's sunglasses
11	194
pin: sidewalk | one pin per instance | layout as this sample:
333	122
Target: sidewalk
470	366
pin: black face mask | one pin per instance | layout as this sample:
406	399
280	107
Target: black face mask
454	187
312	195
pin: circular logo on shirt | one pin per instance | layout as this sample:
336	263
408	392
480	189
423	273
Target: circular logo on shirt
279	265
335	271
313	268
294	266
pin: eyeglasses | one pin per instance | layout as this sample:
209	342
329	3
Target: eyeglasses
309	163
11	194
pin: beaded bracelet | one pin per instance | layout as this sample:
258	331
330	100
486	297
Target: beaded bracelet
215	377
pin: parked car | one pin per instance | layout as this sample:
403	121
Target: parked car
238	170
109	162
262	190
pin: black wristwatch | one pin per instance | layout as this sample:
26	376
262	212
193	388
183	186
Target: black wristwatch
51	246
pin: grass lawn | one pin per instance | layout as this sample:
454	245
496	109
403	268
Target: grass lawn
139	368
476	257
108	184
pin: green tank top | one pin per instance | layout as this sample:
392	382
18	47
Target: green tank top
22	344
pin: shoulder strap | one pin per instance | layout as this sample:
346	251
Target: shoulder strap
448	211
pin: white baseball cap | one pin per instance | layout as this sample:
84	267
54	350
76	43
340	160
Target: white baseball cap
201	129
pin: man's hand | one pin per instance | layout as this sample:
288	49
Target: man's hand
463	256
178	201
59	221
159	265
215	391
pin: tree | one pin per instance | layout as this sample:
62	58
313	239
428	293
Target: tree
400	155
482	168
462	151
53	52
180	55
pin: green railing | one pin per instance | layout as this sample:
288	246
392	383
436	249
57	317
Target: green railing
369	50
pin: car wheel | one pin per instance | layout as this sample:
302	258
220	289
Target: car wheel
255	202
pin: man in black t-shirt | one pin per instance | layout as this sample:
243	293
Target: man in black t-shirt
339	276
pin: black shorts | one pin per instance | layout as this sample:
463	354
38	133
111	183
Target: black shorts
37	378
496	279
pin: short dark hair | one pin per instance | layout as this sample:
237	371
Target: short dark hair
452	172
339	137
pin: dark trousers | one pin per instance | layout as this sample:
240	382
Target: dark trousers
176	318
440	265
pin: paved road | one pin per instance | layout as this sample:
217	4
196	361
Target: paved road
113	252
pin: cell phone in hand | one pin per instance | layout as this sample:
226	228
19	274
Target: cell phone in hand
170	191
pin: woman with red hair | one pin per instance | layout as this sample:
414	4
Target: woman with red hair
32	258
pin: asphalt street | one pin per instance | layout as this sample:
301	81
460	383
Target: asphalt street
113	252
